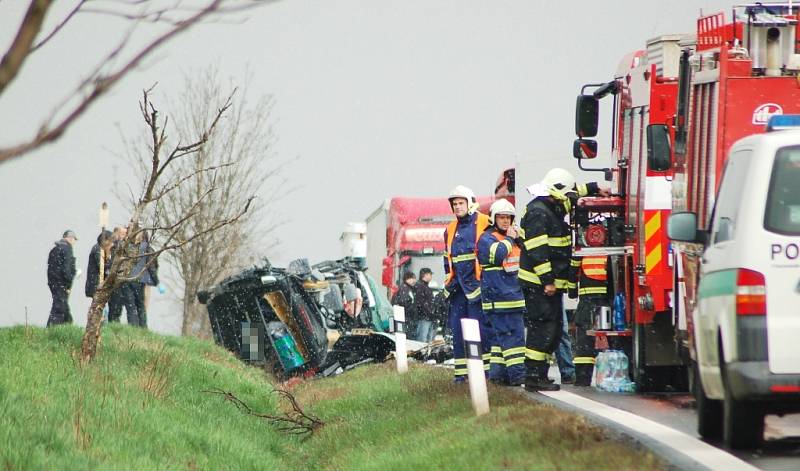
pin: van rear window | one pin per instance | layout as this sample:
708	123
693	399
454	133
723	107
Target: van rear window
783	202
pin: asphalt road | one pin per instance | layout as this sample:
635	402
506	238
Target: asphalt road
781	449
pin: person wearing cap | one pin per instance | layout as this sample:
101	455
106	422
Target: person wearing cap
423	306
501	297
60	275
462	286
546	267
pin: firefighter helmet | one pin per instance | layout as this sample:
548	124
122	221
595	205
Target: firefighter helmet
501	206
560	182
461	191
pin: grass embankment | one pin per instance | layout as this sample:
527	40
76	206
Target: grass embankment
141	405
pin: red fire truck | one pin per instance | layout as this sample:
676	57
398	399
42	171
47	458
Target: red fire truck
407	234
677	107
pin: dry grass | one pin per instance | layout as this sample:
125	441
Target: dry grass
155	377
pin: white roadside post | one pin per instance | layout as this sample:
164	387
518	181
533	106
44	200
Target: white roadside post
475	371
400	353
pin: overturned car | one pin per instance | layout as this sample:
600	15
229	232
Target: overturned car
303	320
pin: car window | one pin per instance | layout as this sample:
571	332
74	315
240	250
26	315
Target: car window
782	214
729	198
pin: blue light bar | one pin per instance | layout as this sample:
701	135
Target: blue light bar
783	121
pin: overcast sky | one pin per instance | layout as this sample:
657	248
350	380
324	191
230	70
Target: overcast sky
374	98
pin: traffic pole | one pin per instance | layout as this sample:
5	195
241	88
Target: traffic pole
475	371
400	353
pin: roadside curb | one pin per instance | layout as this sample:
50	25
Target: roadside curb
673	457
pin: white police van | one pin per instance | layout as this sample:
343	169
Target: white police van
746	321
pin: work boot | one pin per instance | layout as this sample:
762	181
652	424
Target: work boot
535	384
583	375
516	382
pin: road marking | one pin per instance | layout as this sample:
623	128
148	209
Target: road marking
702	452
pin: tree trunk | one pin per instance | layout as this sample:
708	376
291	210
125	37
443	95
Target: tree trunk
94	321
195	317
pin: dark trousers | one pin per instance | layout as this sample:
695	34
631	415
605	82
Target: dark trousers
461	308
125	295
138	291
544	319
59	312
584	352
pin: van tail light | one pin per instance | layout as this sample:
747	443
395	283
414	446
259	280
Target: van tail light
751	293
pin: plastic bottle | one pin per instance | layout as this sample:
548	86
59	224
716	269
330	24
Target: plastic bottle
285	346
619	312
601	369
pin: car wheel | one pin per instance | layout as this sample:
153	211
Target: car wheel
709	411
743	422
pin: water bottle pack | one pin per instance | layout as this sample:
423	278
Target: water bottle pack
611	372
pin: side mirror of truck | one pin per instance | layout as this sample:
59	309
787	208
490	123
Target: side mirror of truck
586	112
658	148
584	149
682	227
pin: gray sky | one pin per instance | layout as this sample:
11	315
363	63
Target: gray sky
375	98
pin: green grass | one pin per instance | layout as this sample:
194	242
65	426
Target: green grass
141	405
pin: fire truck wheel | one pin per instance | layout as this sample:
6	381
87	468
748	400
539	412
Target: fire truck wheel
742	423
709	411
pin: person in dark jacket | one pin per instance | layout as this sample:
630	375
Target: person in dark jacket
441	310
146	271
60	275
98	266
126	294
405	297
545	269
423	305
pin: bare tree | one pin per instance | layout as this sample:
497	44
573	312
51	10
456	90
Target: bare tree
171	18
168	235
240	149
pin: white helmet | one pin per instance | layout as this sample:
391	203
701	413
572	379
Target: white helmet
501	206
461	191
559	181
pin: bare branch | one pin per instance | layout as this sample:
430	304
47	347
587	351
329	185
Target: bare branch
294	422
59	26
100	86
210	229
20	49
167	189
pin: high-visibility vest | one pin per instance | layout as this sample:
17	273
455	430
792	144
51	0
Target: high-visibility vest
511	262
594	276
481	223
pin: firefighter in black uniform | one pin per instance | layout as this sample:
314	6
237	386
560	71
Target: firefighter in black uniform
545	268
593	282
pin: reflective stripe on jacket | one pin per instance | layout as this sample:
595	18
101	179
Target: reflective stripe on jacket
499	257
460	263
547	246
